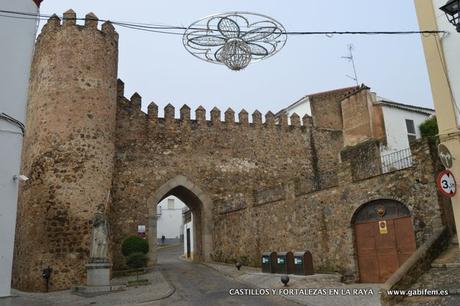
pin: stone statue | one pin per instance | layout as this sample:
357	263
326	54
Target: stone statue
99	241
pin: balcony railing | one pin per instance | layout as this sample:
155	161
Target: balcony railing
397	160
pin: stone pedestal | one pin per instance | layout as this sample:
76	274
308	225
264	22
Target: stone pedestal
98	273
97	279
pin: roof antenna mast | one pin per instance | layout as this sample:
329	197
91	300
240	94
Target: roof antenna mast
351	59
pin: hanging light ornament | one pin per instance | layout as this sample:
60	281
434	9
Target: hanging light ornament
236	54
234	39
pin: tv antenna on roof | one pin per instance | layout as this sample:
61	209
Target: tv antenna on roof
351	59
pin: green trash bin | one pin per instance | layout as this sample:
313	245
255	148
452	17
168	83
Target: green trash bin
303	263
285	263
268	261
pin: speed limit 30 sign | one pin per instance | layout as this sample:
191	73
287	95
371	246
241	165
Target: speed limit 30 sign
446	183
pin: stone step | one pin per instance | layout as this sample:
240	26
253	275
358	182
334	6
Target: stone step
450	258
446	265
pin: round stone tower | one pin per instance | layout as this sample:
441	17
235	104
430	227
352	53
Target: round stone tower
68	152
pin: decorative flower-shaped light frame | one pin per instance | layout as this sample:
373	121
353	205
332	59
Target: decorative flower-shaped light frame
234	39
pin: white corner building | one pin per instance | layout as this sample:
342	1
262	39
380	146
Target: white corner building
17	36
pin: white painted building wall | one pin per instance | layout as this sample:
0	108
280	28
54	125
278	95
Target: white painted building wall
301	108
17	38
188	225
396	130
169	218
450	46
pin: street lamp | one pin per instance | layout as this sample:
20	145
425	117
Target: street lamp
452	10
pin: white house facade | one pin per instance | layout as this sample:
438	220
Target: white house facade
188	233
300	107
402	124
17	37
169	218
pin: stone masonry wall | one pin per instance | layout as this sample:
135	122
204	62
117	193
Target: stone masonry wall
226	159
326	108
68	150
269	191
320	221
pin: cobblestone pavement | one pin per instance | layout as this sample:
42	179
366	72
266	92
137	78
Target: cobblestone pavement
173	282
444	275
437	278
159	288
453	300
326	297
197	284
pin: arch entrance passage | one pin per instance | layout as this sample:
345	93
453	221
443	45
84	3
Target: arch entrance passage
200	206
384	239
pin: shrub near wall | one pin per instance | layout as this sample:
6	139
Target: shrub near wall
429	127
134	244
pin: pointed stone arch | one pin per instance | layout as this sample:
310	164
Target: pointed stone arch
201	206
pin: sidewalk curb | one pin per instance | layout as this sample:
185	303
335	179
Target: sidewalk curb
172	290
167	246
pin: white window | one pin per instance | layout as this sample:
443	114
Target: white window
410	126
170	203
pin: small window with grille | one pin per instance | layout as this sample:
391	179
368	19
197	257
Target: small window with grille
410	126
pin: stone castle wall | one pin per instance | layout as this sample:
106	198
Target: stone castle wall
294	219
68	150
227	159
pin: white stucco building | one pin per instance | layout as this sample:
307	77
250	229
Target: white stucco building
169	218
188	233
402	123
449	49
17	37
301	107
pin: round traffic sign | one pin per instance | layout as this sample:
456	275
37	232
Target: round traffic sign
446	183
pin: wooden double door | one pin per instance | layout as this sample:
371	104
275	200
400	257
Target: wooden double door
383	246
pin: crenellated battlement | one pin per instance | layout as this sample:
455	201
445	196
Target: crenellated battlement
69	21
184	117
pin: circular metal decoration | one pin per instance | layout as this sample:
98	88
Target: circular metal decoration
380	210
234	39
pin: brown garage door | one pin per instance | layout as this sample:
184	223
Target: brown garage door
382	251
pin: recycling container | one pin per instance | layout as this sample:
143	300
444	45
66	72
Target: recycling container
268	261
303	263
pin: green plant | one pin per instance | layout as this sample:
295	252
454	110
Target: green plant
139	282
136	260
429	127
134	244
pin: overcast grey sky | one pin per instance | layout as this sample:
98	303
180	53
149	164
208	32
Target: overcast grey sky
161	70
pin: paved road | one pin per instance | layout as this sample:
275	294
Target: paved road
197	284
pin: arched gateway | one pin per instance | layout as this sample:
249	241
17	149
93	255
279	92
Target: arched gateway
384	239
200	205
